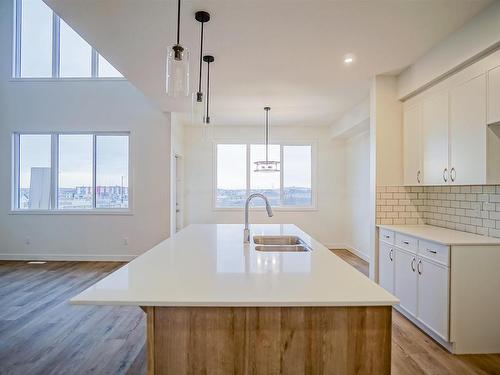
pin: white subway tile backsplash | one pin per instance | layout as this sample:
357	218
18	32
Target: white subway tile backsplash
474	209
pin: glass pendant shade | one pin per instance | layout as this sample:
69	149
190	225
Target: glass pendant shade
177	84
267	166
197	109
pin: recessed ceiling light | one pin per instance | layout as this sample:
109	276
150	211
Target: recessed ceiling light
349	59
37	262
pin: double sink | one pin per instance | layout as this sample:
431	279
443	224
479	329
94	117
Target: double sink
280	243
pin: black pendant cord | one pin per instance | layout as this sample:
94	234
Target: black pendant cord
201	62
267	133
208	93
178	21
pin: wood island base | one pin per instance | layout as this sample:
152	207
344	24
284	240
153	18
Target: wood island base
269	340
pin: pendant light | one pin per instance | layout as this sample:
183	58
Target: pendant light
177	79
197	100
267	165
208	59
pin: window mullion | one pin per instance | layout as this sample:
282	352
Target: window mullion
95	64
54	168
15	172
56	45
281	176
17	36
94	165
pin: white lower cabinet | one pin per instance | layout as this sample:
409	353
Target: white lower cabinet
420	279
433	296
386	267
405	280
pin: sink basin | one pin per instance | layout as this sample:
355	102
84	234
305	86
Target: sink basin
290	248
280	243
277	240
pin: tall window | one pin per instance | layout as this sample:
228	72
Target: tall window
71	171
236	176
47	47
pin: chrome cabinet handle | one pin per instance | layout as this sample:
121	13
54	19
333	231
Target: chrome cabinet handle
432	251
406	242
418	176
445	177
418	266
386	236
413	264
453	174
390	255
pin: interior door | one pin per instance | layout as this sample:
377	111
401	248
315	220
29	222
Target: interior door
412	145
435	138
386	267
405	280
468	132
433	300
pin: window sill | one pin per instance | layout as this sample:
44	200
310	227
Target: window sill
64	79
119	212
275	209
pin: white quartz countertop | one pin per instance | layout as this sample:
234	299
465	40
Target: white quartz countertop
208	265
442	235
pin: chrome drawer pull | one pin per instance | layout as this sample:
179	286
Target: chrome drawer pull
432	251
386	236
406	242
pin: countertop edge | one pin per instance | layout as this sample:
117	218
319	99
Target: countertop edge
401	229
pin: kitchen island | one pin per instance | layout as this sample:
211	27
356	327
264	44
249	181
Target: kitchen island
216	305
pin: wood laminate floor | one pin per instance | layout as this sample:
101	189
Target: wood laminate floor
41	333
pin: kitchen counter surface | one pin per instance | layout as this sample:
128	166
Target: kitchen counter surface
208	265
443	236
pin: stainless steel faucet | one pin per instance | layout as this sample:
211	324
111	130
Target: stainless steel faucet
246	232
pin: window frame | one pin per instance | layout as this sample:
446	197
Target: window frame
281	143
56	57
15	175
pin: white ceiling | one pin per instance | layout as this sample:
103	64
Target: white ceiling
284	53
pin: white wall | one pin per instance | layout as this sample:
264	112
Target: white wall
326	223
88	105
479	34
357	213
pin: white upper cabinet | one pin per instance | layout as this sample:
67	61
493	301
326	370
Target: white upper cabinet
412	144
468	132
494	95
452	129
435	138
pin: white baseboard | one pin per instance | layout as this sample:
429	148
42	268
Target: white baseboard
68	257
351	249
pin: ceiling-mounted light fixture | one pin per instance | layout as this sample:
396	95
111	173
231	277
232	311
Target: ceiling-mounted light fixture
177	80
208	59
197	102
267	165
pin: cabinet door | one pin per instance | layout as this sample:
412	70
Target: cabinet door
405	280
433	303
386	267
435	138
412	145
468	132
494	95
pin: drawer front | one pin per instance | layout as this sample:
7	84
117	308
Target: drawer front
434	251
406	242
387	236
